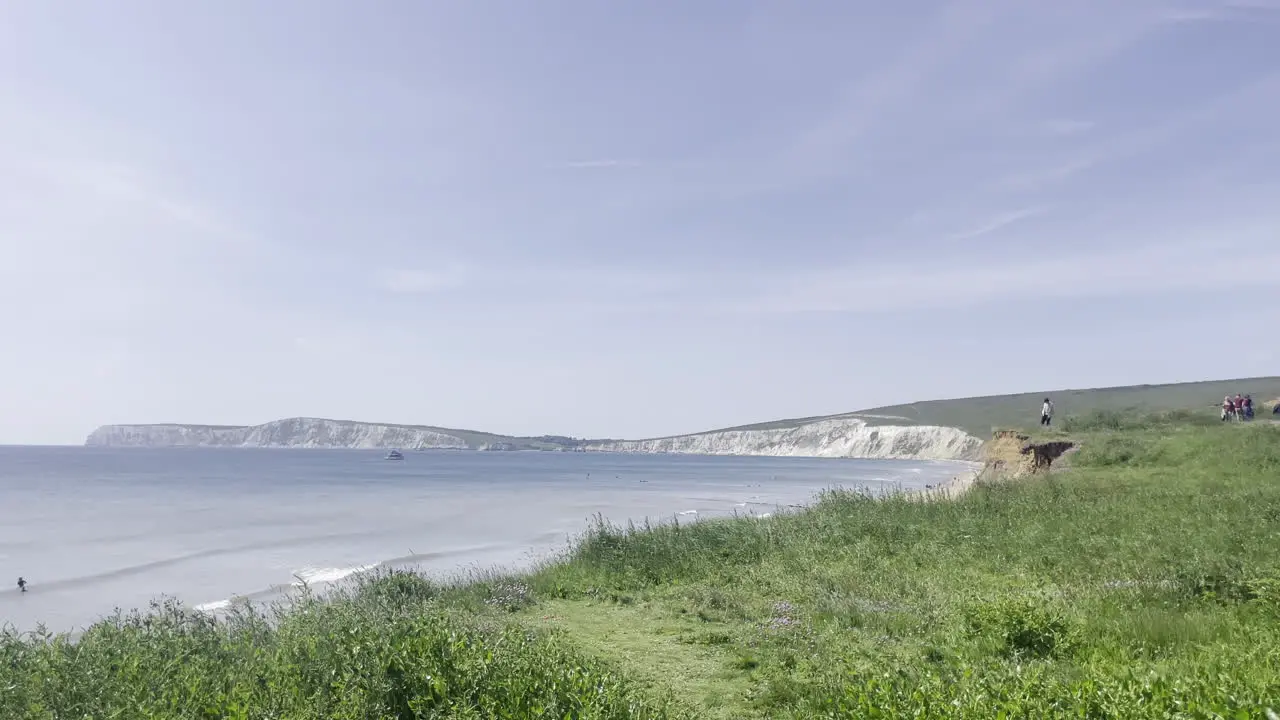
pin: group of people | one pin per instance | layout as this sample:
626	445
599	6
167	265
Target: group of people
1239	407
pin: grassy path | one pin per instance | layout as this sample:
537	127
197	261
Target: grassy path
669	654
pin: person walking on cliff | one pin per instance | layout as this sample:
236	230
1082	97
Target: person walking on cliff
1046	412
22	584
1228	409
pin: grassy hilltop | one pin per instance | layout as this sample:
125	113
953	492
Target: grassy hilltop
979	415
1141	582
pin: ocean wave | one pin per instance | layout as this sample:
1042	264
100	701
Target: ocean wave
312	576
144	567
324	576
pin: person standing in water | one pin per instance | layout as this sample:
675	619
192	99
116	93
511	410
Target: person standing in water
1046	412
22	584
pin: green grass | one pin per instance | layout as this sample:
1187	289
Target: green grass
978	415
390	649
1142	582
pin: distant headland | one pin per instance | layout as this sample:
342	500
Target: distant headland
928	430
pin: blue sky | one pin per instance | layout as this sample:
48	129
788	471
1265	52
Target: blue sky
625	219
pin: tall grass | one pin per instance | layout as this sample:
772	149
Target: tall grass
1143	582
1116	420
389	649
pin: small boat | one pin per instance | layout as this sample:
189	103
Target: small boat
395	455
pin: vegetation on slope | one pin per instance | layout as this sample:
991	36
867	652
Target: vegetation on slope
1141	582
979	415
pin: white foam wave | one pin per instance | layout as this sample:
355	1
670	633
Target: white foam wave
312	576
321	576
212	607
688	512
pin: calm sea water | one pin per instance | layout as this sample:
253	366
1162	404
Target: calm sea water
92	529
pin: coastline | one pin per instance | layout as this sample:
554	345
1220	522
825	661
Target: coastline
833	437
901	607
960	484
952	489
404	520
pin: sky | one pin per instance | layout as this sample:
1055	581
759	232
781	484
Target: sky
625	219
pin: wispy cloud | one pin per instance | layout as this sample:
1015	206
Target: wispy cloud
601	164
892	86
1200	259
1034	179
1135	271
1144	140
125	183
416	282
677	209
998	222
1065	126
1227	10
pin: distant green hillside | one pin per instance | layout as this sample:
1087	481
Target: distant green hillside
978	415
476	438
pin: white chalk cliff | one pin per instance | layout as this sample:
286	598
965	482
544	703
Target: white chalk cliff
293	432
836	438
843	437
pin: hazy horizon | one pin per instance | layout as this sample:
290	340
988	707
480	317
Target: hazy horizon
625	221
1050	391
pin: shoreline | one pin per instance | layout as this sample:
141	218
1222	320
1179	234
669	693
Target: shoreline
329	579
1002	604
951	489
959	485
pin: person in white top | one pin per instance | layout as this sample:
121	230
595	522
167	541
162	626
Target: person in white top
1046	412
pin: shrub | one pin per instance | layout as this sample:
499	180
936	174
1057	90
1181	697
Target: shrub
510	596
1025	627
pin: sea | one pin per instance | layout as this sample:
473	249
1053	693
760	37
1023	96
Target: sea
93	530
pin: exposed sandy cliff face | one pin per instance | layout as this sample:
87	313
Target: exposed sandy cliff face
1011	454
